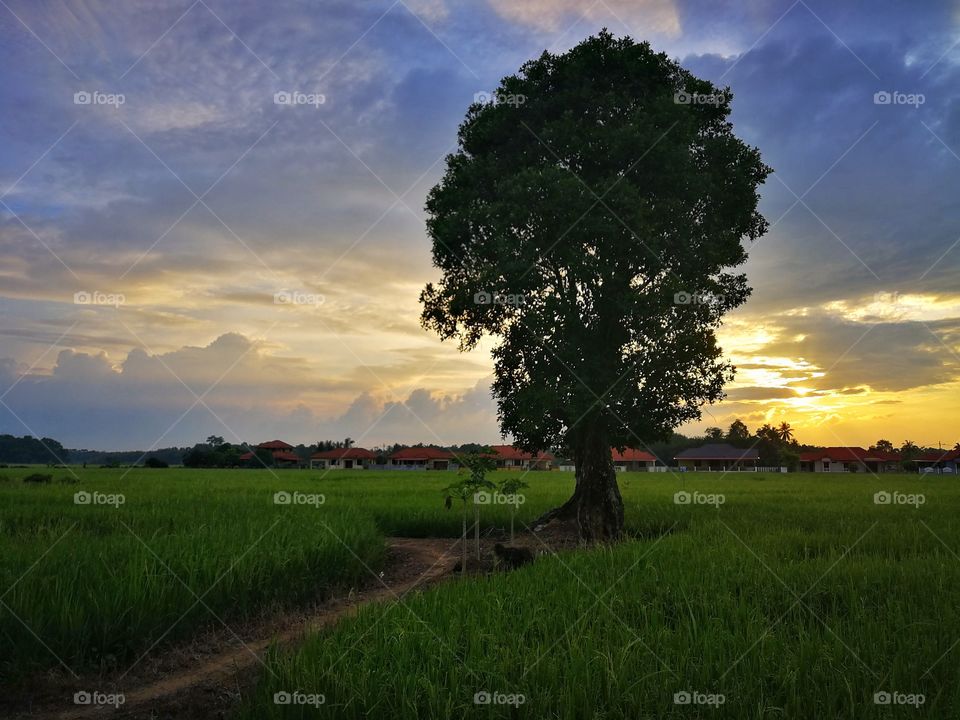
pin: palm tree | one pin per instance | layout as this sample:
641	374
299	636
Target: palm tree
909	449
785	432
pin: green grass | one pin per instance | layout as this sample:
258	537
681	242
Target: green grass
798	597
703	599
95	585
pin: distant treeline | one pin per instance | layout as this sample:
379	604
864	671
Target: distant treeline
28	450
169	455
776	446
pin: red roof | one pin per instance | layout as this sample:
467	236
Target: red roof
509	452
632	455
939	456
286	456
353	453
883	455
281	455
848	454
275	445
422	453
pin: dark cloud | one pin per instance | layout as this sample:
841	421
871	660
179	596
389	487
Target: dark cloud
886	356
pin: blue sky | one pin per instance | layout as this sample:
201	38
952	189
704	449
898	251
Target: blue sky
199	199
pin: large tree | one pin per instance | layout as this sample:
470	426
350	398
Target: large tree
588	220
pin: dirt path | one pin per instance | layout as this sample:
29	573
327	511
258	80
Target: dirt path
207	679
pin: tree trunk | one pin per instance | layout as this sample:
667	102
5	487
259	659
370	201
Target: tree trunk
463	540
476	527
596	504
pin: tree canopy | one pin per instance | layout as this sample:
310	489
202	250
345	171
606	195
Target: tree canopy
575	224
589	219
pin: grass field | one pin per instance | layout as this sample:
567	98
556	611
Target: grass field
796	596
97	584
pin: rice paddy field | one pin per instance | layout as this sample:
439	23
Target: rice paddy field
737	596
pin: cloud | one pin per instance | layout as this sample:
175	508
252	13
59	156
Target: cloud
247	392
646	16
760	393
329	200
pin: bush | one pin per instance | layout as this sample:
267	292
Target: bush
38	478
153	462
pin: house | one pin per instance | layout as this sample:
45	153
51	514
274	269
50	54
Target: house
509	457
422	458
718	456
848	459
631	460
283	455
353	458
940	461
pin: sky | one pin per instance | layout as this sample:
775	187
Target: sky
183	253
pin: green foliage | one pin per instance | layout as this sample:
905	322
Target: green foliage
568	225
739	434
38	478
512	486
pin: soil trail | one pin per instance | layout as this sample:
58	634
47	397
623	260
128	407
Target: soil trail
208	684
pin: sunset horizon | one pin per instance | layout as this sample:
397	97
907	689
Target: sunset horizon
207	232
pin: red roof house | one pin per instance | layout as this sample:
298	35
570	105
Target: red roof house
507	456
283	455
633	460
353	458
422	458
849	459
941	461
275	445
